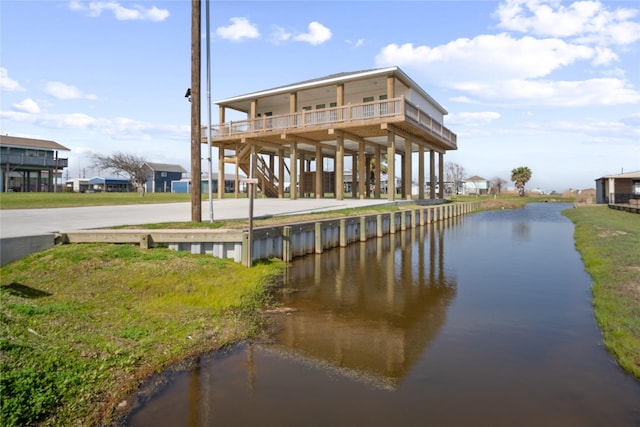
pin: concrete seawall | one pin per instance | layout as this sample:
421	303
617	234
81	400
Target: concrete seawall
284	242
13	248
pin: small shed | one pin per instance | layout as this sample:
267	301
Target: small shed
618	189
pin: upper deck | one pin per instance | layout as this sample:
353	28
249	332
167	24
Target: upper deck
368	121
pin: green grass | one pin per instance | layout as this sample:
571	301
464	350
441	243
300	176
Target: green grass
83	325
609	241
68	199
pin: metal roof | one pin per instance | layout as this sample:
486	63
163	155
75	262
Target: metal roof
40	144
165	167
635	175
335	79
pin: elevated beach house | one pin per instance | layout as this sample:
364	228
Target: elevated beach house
300	135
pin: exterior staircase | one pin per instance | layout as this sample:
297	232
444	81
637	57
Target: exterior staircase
267	180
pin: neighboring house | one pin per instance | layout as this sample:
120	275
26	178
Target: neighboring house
184	185
618	188
476	185
363	115
31	165
160	176
110	185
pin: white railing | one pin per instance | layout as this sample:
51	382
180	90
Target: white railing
398	107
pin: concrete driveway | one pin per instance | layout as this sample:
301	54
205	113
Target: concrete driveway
32	222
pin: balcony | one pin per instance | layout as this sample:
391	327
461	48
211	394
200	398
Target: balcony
364	120
33	161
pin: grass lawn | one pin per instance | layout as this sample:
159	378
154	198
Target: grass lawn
609	241
83	325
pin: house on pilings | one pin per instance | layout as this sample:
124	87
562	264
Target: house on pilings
300	135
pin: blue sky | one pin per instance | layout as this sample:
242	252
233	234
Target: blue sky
551	85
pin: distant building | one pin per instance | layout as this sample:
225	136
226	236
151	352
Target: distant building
77	185
184	185
110	185
476	185
30	165
160	176
618	188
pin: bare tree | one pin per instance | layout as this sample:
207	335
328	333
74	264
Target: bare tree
130	164
498	183
454	173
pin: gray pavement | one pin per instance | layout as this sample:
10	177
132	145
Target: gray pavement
33	222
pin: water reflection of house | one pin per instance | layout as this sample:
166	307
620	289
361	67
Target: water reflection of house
370	309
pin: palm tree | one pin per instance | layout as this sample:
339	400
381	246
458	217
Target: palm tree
520	176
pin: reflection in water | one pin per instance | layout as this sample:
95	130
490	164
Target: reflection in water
480	321
388	302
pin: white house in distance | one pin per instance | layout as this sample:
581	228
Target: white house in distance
316	123
476	185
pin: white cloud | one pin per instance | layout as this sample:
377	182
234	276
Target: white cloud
356	44
602	91
27	106
7	83
121	13
317	34
473	118
589	21
280	35
64	91
239	29
494	57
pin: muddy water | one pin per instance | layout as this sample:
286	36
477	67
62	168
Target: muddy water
484	320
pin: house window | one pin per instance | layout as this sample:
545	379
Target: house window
333	115
367	110
384	109
307	117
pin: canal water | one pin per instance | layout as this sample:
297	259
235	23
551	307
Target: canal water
482	320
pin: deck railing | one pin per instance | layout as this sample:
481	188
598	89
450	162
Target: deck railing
24	160
376	110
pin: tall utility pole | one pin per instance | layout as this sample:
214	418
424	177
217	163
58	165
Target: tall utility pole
196	178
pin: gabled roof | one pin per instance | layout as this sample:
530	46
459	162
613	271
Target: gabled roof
335	79
165	167
40	144
476	178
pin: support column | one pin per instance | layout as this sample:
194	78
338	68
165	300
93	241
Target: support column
403	178
280	173
441	174
420	172
376	191
354	176
408	160
362	172
367	173
301	170
432	174
391	166
293	167
339	168
220	173
319	191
